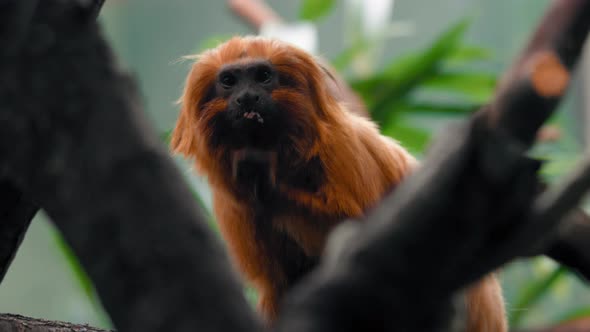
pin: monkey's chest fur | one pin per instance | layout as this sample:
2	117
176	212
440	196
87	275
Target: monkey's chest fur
286	229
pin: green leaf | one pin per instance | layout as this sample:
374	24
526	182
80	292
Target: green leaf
425	107
478	87
533	293
558	164
442	47
384	90
312	10
345	58
165	136
251	295
575	314
469	53
561	156
413	139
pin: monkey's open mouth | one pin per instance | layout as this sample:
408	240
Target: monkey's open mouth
254	115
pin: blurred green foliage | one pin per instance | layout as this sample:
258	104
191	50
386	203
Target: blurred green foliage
431	84
532	292
312	10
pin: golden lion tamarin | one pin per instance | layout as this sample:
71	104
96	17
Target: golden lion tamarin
287	161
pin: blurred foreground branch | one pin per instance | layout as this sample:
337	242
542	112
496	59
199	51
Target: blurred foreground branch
74	140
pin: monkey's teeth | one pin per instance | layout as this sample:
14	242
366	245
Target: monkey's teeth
251	115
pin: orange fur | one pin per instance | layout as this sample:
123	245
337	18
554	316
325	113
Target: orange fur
485	306
359	167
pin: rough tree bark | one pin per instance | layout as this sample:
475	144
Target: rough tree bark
73	141
17	323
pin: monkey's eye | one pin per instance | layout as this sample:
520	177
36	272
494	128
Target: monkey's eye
263	76
227	81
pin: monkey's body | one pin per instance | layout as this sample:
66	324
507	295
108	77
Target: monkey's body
281	233
287	162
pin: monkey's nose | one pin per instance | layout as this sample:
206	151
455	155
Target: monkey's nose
248	99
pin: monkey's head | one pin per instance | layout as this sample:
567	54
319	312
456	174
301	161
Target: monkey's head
252	93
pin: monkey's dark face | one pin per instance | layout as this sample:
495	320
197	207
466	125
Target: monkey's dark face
254	99
251	117
255	112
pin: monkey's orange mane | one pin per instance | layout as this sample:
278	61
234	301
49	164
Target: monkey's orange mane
360	164
302	95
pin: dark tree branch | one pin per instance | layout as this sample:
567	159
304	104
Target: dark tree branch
531	88
558	204
15	18
572	247
555	202
90	8
16	211
73	137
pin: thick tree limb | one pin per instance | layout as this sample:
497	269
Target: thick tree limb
556	204
16	211
72	137
572	248
529	91
527	96
15	17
